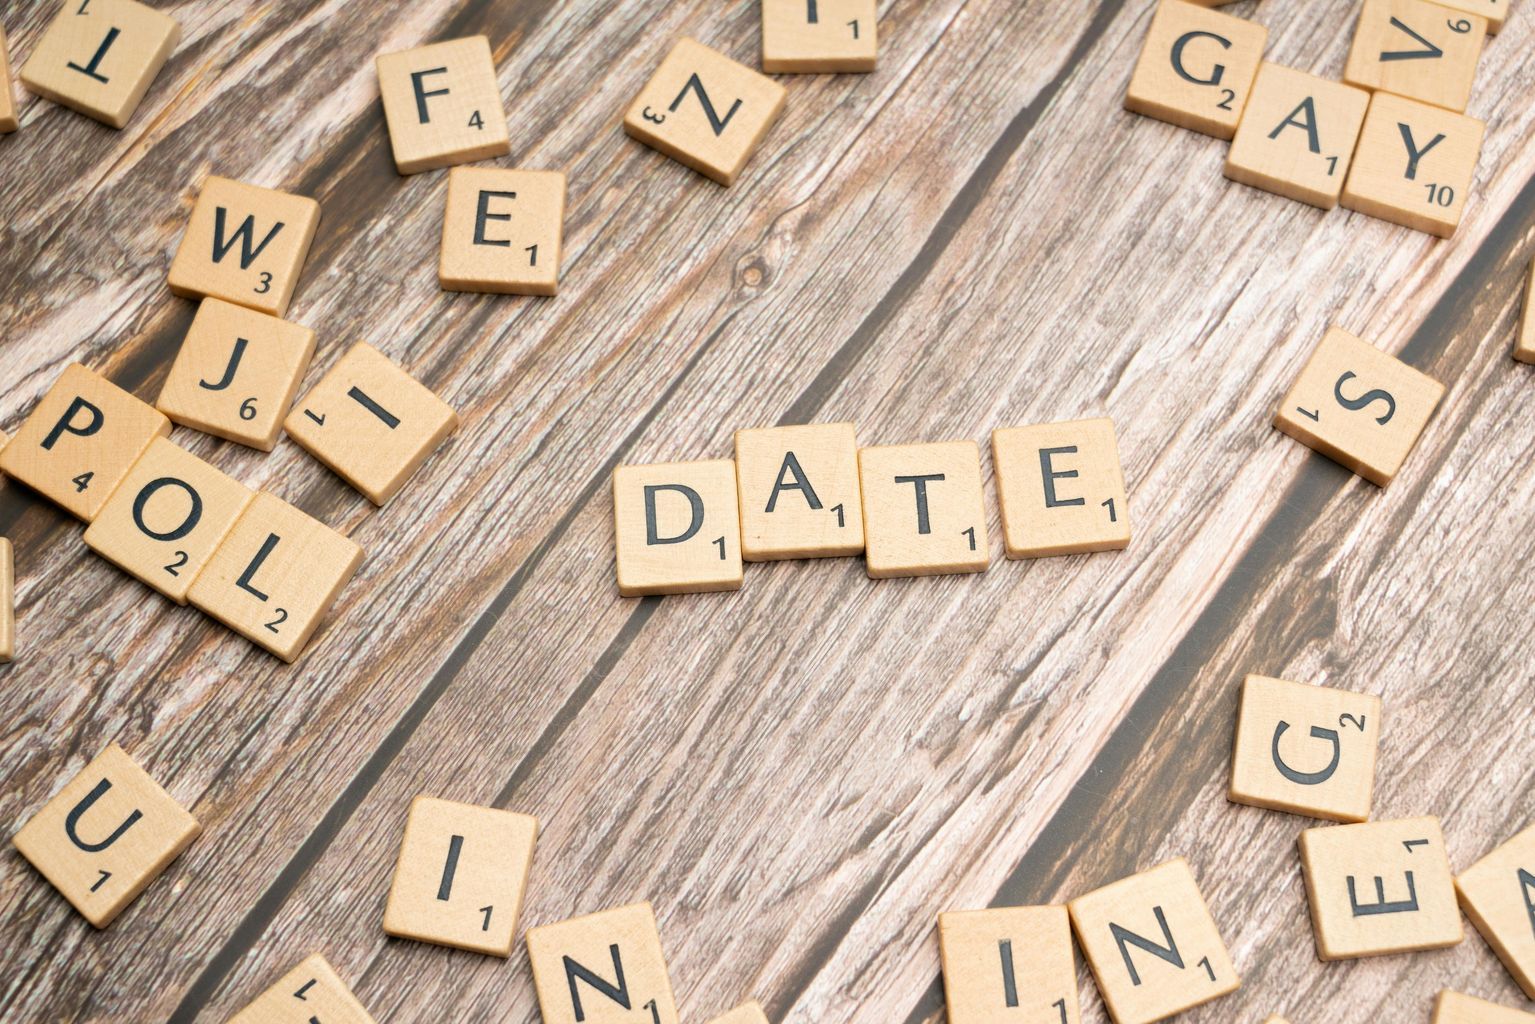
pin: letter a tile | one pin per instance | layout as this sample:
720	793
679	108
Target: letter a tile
1498	895
461	875
747	1013
677	528
310	992
1419	50
99	56
799	492
1454	1008
502	231
1196	68
1010	965
923	509
246	245
1359	406
1377	888
705	111
107	834
443	104
1297	135
1152	944
604	968
1415	165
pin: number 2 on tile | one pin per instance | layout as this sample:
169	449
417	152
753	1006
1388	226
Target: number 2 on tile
282	616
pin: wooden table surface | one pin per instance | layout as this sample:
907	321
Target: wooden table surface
801	775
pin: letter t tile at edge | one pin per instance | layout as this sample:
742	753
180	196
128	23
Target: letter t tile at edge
677	528
1196	68
99	57
312	991
503	231
819	36
924	510
602	969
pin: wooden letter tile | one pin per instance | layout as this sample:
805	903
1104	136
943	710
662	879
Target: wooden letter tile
1061	489
443	105
799	492
1297	135
461	875
1416	49
604	968
167	517
245	244
502	231
705	111
1196	68
99	57
819	35
275	576
1414	165
1359	406
1305	749
80	441
236	374
371	422
1495	11
1524	351
310	992
1152	944
8	117
1454	1008
106	835
1377	888
677	528
1498	895
746	1013
924	511
1012	965
7	602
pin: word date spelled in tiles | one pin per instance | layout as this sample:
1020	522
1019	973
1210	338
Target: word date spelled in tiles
167	517
236	374
819	35
747	1013
1524	351
1498	895
1196	68
310	992
443	105
1414	165
502	231
1010	965
1305	749
461	875
677	528
80	441
605	968
106	835
1152	945
7	602
99	56
923	509
1297	135
1416	49
1380	887
8	120
1455	1008
705	111
1061	489
245	244
1359	406
371	422
275	576
799	492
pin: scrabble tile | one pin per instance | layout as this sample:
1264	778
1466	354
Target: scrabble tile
1152	945
1454	1008
1495	11
677	528
7	602
371	422
1010	965
705	111
99	56
1524	350
503	231
1359	406
1061	489
107	834
1414	165
1498	895
80	441
746	1013
1420	50
275	576
819	35
8	117
443	104
310	992
923	509
1377	888
1196	68
1305	749
1297	135
799	492
166	518
461	875
245	244
236	374
604	968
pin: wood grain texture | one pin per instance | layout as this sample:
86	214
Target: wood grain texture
800	775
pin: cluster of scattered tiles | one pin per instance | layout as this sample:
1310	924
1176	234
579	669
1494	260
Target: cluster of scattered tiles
1391	140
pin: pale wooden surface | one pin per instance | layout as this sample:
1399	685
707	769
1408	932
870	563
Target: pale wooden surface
802	774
